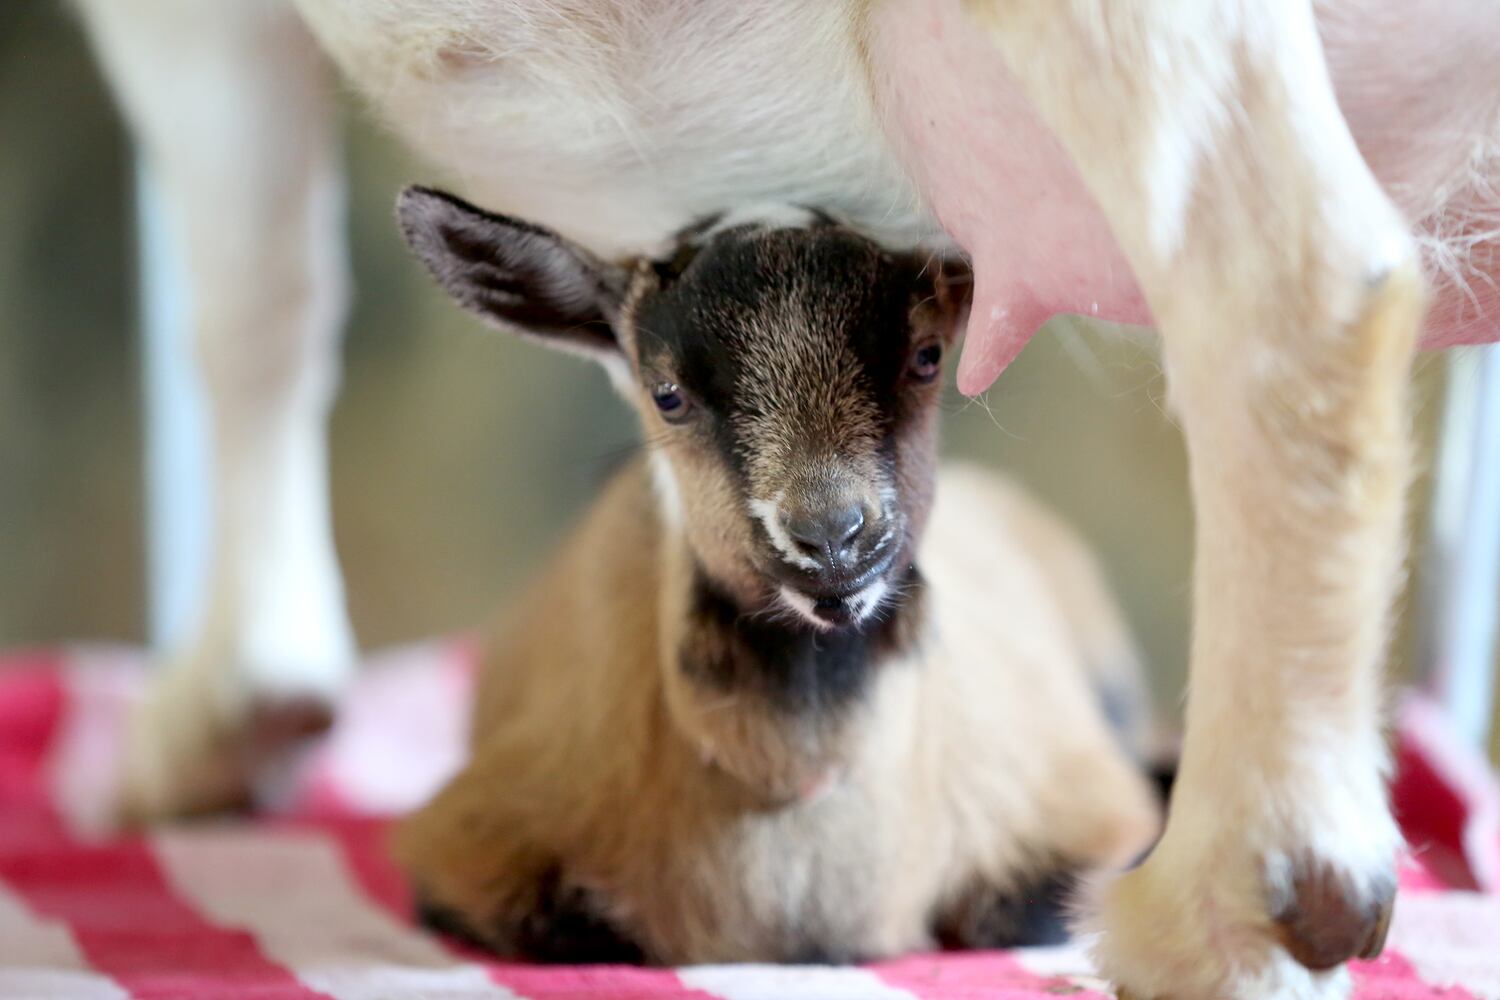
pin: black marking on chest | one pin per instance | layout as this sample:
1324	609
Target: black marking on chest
796	668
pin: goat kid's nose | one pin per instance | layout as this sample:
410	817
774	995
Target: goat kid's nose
826	534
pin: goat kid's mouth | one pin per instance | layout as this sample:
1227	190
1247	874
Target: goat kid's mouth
833	568
841	602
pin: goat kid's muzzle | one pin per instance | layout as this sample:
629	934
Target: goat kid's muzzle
837	575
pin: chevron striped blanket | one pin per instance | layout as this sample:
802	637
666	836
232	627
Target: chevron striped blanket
303	902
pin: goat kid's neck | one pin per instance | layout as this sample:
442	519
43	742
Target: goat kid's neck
770	701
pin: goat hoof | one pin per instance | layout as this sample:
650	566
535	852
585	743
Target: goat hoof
1323	919
569	925
185	757
1212	926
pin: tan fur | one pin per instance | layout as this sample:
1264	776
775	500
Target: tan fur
656	753
980	755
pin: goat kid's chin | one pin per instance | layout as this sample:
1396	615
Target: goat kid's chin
843	607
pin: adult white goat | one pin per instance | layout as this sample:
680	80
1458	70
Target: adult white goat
1250	175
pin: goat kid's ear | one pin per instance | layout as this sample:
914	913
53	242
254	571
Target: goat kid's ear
944	290
515	275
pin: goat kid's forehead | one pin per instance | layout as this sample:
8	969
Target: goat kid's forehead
792	338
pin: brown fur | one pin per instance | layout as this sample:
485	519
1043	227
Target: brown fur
978	757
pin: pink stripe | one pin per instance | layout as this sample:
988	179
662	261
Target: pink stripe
975	975
365	850
1445	792
130	925
1413	875
32	702
593	982
1392	977
83	767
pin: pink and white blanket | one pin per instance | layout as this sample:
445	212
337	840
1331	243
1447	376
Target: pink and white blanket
303	902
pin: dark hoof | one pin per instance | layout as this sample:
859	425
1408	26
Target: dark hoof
563	925
276	724
568	927
814	953
1030	916
439	918
1323	921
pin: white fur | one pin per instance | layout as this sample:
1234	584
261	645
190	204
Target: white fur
664	481
867	601
768	513
620	125
245	153
771	216
862	604
803	606
1283	761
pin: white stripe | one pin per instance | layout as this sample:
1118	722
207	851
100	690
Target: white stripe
790	982
101	683
1450	938
768	513
1071	959
39	958
292	891
402	731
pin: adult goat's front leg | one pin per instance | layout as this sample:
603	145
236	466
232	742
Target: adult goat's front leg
231	105
1287	295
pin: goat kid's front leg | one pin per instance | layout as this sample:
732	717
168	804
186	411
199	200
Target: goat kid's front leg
232	107
1288	297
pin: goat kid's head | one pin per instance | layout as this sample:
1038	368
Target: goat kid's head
787	376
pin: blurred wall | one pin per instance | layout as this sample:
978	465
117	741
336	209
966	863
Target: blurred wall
459	455
70	496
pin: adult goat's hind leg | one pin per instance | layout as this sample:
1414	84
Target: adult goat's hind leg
1287	295
232	107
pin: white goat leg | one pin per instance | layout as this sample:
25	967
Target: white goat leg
231	105
1287	294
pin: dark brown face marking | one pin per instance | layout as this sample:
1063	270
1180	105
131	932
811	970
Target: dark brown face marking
795	349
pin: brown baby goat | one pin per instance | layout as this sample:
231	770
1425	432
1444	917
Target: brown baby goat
735	720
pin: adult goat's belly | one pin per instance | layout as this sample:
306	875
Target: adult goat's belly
620	123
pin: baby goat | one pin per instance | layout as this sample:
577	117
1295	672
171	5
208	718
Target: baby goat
734	720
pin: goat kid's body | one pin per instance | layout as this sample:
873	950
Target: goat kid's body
969	770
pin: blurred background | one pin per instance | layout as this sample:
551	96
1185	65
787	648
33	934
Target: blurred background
459	455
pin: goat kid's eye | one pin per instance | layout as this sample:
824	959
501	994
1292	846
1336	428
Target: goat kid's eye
669	399
926	362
